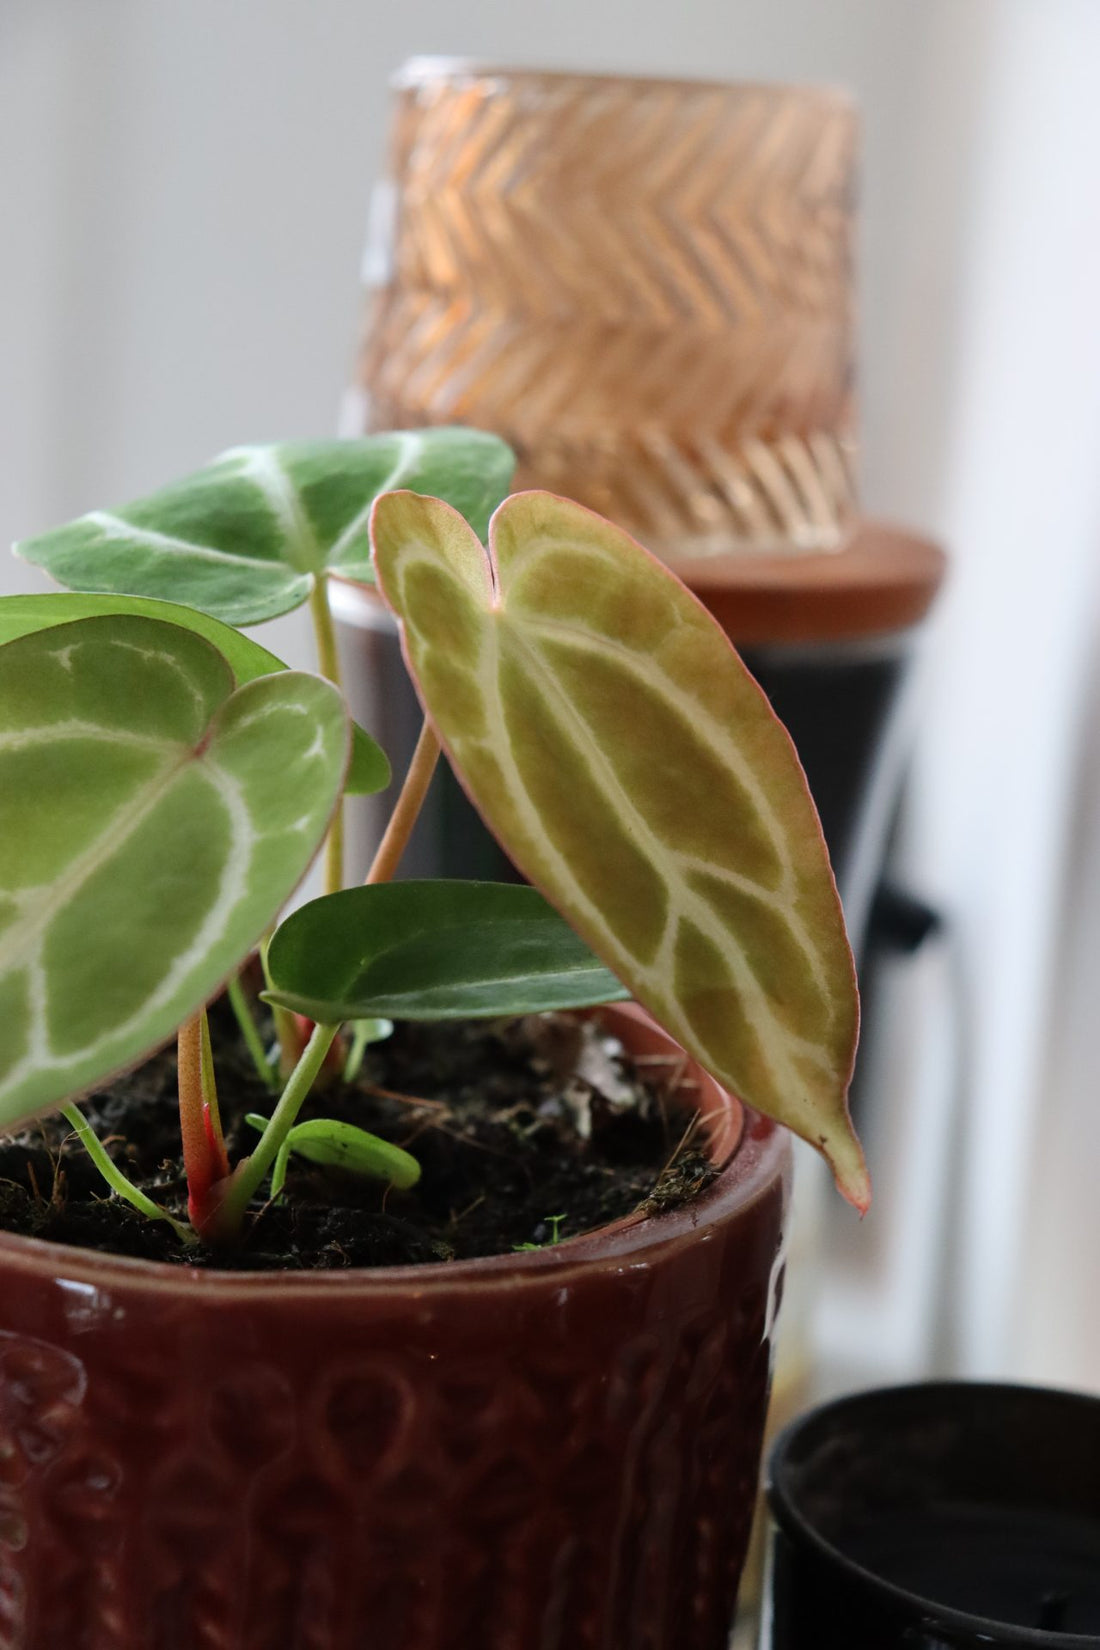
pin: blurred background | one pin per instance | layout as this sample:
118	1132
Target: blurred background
184	188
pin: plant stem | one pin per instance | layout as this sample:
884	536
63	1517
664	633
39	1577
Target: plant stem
204	1157
286	1024
408	806
196	1153
248	1176
278	1173
115	1178
324	631
253	1041
328	657
213	1117
282	1157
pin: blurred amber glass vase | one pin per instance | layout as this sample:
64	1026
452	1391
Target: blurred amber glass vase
644	285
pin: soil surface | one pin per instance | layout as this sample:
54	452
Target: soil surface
514	1124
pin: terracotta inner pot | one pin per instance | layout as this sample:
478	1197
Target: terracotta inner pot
553	1449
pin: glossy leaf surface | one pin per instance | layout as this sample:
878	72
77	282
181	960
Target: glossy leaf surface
20	615
629	765
153	820
432	951
245	538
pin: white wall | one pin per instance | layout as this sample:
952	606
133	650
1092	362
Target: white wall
999	755
184	185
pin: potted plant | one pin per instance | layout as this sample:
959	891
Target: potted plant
551	1446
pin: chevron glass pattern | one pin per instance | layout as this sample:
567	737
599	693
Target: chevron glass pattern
645	286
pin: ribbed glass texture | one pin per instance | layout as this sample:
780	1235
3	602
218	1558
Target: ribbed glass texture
644	285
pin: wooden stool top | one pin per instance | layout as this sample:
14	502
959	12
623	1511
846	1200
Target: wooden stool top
884	580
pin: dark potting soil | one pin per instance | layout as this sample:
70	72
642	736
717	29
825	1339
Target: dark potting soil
513	1123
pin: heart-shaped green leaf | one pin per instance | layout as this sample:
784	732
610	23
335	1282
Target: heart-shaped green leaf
632	769
369	770
153	819
432	951
245	538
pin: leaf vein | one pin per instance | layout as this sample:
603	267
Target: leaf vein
408	450
682	897
117	527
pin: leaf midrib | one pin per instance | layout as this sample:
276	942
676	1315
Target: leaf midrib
261	466
781	899
410	445
117	527
701	720
685	902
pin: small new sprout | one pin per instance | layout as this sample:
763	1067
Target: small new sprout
554	1222
363	1034
336	1145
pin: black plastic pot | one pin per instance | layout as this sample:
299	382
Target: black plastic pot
945	1516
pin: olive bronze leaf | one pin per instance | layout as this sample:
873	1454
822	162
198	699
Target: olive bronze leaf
632	769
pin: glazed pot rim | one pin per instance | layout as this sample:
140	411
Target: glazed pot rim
424	67
753	1151
926	1613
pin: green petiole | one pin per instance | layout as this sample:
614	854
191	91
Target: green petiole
282	1156
249	1031
249	1176
328	657
286	1027
115	1178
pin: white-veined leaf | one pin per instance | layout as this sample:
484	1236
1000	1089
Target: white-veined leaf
245	538
369	770
153	820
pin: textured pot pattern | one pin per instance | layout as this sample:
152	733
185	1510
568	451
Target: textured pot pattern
551	1450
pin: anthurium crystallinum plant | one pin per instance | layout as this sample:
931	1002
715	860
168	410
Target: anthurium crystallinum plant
164	785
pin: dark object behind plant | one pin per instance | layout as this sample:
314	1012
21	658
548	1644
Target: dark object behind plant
947	1515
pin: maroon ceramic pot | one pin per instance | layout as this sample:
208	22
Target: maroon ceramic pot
554	1450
